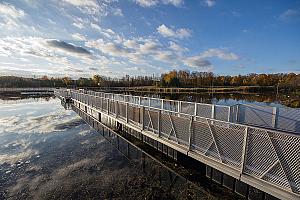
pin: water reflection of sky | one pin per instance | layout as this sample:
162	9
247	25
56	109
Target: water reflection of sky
47	152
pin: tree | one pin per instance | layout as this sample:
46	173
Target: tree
67	80
97	80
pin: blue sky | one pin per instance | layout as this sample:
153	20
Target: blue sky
144	37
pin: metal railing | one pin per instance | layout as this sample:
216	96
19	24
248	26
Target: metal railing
267	156
284	119
279	118
220	112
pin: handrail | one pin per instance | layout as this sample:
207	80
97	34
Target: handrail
239	113
196	117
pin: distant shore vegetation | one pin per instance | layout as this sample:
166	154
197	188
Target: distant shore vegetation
181	78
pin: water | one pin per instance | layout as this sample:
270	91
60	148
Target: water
47	152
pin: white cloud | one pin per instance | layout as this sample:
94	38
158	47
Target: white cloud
166	56
197	62
86	6
150	3
117	12
10	17
133	44
94	7
96	27
147	3
7	10
177	48
219	54
169	32
108	48
176	3
149	46
201	59
90	3
290	14
78	25
79	37
209	3
56	56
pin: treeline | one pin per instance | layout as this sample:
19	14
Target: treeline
21	82
95	81
208	79
171	79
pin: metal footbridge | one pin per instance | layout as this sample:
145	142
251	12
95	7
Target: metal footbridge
259	146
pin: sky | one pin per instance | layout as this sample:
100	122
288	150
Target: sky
80	38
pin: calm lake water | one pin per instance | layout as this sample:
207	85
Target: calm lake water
47	152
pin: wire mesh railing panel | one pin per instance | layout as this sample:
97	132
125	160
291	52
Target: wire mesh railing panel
144	101
133	99
204	110
229	141
151	120
182	129
222	113
288	119
99	103
201	138
166	125
104	104
287	148
258	149
256	115
112	107
121	110
133	114
170	105
119	97
188	108
155	103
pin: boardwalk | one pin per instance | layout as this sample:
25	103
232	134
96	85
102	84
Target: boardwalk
260	150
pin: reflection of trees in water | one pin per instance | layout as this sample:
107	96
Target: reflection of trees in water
8	97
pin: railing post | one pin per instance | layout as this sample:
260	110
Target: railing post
179	106
159	122
275	117
143	117
195	111
162	104
237	113
108	106
229	114
244	151
191	132
212	111
149	102
140	101
127	114
117	108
